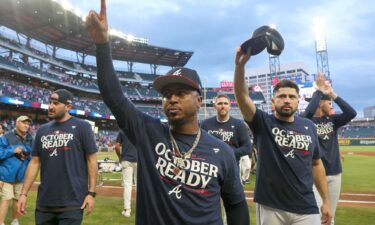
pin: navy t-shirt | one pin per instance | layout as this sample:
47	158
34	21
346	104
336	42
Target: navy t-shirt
190	197
62	148
327	127
233	132
284	168
128	151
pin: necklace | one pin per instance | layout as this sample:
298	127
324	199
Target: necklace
179	158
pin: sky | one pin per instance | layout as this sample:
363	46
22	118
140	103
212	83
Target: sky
213	29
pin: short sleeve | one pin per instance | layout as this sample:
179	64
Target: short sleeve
88	140
36	148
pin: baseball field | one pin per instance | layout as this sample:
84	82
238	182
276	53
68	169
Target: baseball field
356	206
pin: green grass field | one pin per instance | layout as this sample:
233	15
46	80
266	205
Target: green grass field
357	148
358	175
107	211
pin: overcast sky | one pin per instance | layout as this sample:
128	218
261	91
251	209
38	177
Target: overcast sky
213	29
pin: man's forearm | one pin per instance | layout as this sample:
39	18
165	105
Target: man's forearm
92	167
118	150
241	91
320	180
30	174
238	214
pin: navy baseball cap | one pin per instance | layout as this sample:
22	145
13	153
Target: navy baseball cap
262	38
64	96
179	75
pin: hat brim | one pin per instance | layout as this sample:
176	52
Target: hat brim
26	120
163	81
256	44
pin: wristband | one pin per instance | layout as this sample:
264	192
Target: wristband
93	194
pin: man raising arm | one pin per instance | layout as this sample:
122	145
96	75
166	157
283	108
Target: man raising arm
289	157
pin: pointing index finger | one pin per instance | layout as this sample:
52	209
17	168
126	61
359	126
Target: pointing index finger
103	9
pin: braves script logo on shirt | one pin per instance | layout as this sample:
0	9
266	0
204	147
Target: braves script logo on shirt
291	140
324	130
222	134
196	174
56	141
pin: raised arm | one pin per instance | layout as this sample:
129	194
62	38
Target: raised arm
348	113
109	84
241	91
322	88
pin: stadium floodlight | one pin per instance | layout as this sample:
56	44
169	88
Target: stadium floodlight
130	38
127	37
319	33
66	5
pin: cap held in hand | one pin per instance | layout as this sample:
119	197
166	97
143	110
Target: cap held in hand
264	37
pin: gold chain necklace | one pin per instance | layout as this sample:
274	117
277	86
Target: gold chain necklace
179	158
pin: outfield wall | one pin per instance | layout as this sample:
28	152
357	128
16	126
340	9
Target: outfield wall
356	141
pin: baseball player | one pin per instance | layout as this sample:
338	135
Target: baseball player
288	156
319	111
227	128
65	151
183	171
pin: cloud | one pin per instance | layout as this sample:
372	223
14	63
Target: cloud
214	28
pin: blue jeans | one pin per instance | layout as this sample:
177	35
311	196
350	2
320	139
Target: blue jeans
72	217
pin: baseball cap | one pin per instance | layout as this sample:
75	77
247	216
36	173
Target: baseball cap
24	118
179	75
264	37
64	96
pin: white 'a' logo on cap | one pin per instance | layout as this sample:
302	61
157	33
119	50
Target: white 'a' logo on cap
177	72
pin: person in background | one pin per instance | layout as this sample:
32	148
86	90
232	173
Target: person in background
65	152
327	123
127	155
15	149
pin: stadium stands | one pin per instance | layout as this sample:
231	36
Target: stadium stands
31	68
357	132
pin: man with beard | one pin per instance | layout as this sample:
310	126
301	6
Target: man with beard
65	151
321	112
227	128
288	156
182	170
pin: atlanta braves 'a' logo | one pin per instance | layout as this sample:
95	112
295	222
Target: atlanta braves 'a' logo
290	154
177	191
54	153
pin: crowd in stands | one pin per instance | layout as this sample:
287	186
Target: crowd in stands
355	131
14	89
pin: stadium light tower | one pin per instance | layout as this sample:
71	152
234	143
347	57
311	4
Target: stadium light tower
274	61
274	64
321	47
